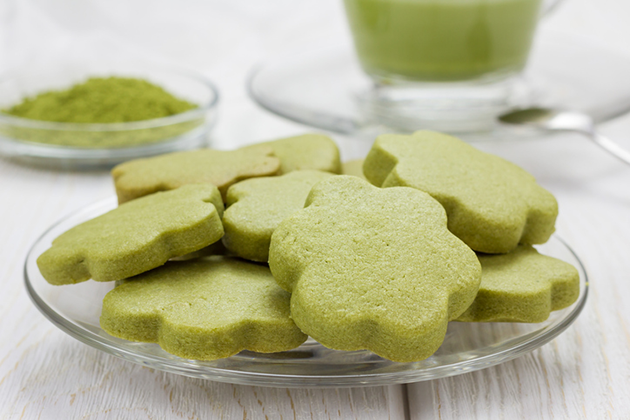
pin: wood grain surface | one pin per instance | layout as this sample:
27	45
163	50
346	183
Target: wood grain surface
45	374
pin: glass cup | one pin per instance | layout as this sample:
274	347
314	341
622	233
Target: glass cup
442	64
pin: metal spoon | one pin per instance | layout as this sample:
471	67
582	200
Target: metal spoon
550	119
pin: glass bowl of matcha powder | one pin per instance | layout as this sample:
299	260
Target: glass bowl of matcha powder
85	118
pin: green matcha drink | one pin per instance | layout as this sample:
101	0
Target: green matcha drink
442	40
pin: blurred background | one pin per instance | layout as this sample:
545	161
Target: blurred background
224	39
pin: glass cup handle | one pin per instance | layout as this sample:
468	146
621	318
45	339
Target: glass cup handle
549	6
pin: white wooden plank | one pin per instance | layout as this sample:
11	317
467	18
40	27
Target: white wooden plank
55	376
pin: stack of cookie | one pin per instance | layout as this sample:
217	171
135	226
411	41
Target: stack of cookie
427	230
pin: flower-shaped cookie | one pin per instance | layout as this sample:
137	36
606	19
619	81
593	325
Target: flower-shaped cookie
203	309
373	268
257	206
308	151
140	177
492	204
136	237
522	286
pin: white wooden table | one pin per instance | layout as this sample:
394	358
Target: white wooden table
584	373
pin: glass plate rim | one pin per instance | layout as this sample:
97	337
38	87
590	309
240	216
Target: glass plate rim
181	367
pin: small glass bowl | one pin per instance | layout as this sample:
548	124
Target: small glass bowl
83	145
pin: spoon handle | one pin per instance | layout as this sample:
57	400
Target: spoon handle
611	147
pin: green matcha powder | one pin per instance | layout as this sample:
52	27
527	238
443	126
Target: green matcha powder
102	100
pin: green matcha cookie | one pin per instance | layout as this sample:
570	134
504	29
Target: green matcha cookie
353	167
492	204
257	206
373	268
308	151
203	309
522	286
136	237
140	177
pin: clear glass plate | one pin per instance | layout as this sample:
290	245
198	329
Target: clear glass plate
467	347
322	85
